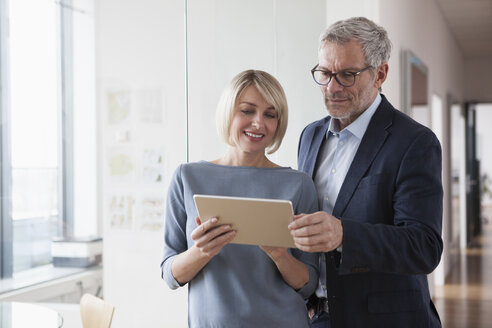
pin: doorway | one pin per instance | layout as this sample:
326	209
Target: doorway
478	168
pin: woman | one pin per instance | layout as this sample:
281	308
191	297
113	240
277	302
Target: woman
233	285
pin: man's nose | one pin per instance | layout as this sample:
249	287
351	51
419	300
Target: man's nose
333	86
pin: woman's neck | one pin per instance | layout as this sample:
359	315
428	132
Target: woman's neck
235	158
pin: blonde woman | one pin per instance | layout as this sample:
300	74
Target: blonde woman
233	285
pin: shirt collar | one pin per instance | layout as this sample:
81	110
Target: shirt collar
359	126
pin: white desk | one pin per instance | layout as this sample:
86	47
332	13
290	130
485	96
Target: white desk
23	315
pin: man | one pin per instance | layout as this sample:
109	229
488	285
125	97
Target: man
378	175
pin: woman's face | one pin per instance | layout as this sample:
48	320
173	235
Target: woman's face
254	122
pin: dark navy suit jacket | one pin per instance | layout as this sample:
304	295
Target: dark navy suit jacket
390	205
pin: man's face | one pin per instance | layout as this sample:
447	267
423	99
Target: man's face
347	103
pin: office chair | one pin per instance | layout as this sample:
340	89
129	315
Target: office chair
95	312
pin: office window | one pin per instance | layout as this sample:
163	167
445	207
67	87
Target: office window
34	113
36	106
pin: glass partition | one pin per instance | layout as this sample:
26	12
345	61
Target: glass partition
225	37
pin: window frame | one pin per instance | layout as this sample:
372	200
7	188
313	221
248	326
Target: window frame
6	249
65	126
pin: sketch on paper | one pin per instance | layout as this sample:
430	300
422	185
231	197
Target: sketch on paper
120	164
152	215
150	105
153	166
118	104
121	211
121	137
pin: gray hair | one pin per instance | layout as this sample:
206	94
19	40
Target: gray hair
372	37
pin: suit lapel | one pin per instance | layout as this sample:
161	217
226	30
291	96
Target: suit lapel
314	148
372	141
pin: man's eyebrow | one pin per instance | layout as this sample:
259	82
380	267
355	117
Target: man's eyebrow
345	69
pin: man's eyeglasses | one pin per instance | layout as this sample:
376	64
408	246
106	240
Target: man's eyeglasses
345	78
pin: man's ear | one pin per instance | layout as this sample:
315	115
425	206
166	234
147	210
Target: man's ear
381	74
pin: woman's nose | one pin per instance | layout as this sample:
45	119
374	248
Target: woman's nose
257	122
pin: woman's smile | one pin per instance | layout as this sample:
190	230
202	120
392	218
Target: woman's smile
254	135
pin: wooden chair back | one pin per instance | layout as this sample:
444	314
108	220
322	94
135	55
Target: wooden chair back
95	312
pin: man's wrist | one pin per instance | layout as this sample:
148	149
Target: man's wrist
340	246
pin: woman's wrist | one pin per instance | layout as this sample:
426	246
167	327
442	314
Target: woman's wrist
278	254
200	256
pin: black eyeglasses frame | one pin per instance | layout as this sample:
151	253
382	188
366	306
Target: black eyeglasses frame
355	74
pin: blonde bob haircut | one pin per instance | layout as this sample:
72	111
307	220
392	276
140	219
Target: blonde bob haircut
268	87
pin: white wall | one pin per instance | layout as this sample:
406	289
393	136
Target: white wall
299	24
419	26
478	77
337	10
141	107
224	41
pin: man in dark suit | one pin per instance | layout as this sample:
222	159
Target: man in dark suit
378	175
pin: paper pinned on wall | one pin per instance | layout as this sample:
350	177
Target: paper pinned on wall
121	167
118	106
120	210
121	136
153	166
152	215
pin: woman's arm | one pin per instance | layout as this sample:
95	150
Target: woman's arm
294	272
209	240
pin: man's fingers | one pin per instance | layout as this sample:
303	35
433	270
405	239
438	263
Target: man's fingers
316	243
312	249
302	220
316	232
298	222
298	216
312	244
310	240
307	230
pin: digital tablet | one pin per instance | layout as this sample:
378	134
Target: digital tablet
257	221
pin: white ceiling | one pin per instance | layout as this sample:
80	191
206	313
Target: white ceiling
470	22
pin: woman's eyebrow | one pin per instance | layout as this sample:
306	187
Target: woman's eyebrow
248	103
254	105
